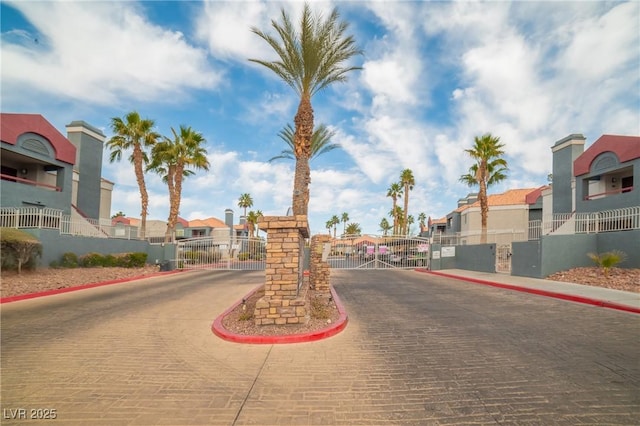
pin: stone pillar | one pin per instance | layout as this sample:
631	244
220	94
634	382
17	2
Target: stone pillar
318	268
283	302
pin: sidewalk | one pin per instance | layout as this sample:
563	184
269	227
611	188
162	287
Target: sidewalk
597	296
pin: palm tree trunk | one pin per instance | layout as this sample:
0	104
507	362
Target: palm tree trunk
144	196
302	150
484	208
405	225
171	184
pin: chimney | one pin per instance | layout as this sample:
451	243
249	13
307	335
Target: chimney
228	220
565	151
88	141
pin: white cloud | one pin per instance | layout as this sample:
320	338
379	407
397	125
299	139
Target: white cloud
101	53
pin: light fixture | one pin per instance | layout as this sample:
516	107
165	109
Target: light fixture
24	171
614	180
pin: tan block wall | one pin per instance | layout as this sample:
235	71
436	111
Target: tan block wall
282	304
318	270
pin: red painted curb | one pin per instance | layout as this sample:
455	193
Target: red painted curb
547	293
219	330
80	287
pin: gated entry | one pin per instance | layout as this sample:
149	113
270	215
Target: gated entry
216	252
503	258
378	252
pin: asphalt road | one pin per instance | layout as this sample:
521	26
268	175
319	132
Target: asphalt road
419	349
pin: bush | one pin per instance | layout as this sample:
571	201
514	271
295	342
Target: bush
608	260
91	260
243	256
69	260
130	260
19	249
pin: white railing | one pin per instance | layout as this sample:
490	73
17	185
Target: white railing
497	236
47	218
624	219
30	217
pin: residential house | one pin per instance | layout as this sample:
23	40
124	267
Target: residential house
43	169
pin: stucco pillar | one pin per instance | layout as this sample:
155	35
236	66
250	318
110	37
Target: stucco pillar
284	300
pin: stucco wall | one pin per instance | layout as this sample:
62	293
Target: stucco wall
526	259
561	252
55	245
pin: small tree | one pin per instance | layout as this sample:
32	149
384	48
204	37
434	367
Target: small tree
608	260
18	248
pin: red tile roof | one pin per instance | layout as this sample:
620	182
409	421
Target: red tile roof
626	148
211	222
512	197
14	125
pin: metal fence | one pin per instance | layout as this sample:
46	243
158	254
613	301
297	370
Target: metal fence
47	218
378	252
239	253
497	236
624	219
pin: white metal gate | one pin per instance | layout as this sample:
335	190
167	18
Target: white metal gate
228	253
379	252
503	258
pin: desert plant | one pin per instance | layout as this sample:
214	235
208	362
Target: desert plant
19	249
69	260
91	260
608	260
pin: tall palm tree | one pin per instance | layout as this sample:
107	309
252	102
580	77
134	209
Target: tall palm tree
311	58
395	192
407	181
335	220
172	159
410	220
329	225
489	168
398	219
252	220
385	226
244	202
320	142
344	219
422	219
135	133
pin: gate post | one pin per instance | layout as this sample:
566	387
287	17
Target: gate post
284	301
319	267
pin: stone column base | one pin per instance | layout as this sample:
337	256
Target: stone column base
271	311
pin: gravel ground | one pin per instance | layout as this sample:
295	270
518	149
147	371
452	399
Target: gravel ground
617	279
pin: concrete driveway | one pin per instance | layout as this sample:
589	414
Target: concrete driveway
418	349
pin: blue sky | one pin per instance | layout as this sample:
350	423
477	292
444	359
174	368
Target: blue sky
434	76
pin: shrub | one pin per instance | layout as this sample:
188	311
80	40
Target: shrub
91	260
608	260
19	249
69	260
243	256
109	260
137	260
130	260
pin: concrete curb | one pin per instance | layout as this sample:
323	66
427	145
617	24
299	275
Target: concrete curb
218	329
81	287
539	292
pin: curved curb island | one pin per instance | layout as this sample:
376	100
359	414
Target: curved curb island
218	328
